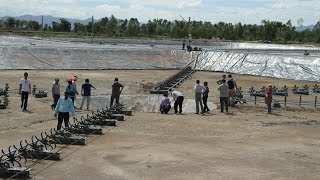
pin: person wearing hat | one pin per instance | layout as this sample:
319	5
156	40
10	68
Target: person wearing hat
55	93
116	91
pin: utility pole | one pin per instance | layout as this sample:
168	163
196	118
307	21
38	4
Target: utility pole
92	31
189	32
189	35
41	27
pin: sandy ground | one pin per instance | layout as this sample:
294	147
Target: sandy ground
247	143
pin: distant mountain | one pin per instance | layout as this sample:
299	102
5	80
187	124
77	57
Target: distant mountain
302	28
49	19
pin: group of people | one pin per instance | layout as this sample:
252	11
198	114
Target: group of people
201	99
227	88
165	103
63	106
72	92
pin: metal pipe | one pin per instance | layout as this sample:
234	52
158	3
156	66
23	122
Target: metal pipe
300	101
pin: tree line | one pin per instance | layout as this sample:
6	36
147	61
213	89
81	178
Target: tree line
270	31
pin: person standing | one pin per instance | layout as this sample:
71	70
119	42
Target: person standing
178	100
63	110
224	89
205	97
183	43
116	91
24	91
220	80
86	93
198	89
74	81
55	93
165	104
71	91
268	98
232	89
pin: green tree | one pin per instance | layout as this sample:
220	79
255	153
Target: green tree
151	28
112	26
9	23
123	27
133	28
65	25
79	28
46	27
55	26
316	30
33	25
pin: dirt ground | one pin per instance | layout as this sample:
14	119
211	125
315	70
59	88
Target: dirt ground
246	143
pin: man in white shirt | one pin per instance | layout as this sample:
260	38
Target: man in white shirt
178	100
224	89
198	89
24	90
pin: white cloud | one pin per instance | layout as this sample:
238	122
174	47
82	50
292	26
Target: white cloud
105	10
189	4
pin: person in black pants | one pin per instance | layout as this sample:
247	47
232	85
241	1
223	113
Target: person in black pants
178	100
24	90
55	93
116	91
165	104
205	97
63	109
224	98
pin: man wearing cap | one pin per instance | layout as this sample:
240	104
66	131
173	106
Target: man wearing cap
55	93
116	91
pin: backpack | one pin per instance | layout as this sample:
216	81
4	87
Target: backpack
230	84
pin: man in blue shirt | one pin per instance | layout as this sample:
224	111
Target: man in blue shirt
63	108
86	93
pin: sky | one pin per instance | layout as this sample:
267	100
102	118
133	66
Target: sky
230	11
